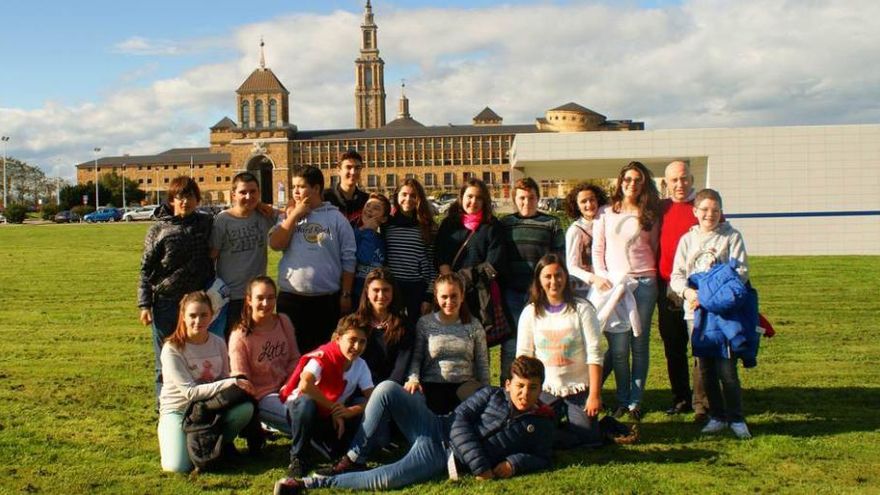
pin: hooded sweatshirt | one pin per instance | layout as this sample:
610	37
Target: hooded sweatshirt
321	247
699	251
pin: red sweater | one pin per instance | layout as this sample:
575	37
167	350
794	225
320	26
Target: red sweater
675	220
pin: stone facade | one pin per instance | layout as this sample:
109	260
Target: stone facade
266	142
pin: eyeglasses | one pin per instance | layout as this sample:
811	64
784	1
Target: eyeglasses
637	180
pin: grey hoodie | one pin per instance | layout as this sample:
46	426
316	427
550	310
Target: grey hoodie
321	247
698	251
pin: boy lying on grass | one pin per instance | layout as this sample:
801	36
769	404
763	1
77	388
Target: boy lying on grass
496	433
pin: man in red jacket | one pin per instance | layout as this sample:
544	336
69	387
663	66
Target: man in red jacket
676	217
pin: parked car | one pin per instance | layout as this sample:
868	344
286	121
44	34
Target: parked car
67	216
2	218
141	213
551	204
104	215
209	209
447	198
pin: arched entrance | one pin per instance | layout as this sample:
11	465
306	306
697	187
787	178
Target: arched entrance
261	167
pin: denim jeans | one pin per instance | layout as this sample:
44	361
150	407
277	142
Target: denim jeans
423	430
515	301
164	313
172	439
631	381
721	382
413	296
273	412
306	424
578	429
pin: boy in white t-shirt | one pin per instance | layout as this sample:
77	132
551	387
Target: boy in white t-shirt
317	393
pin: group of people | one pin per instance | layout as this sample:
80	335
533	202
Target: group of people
379	326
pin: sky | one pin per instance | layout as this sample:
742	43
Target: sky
143	77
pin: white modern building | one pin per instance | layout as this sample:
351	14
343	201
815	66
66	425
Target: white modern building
790	190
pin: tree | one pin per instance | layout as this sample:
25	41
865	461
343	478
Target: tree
25	183
113	183
72	195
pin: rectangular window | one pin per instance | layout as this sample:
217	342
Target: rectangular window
465	176
149	181
201	179
390	180
410	176
505	177
372	180
140	181
165	180
429	180
448	179
219	179
487	178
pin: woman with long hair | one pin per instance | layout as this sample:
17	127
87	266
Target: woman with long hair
562	331
409	247
625	268
389	344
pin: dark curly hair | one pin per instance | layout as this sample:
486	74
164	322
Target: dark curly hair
571	206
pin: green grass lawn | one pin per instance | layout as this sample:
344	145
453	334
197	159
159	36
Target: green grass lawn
76	393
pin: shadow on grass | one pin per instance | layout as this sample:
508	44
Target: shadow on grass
789	411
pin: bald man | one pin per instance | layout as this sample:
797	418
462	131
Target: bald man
676	217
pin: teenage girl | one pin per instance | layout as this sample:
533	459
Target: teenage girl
389	345
562	331
450	360
263	348
582	205
409	248
195	366
625	240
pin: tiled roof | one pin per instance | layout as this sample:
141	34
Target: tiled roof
262	81
487	114
225	123
403	122
574	107
425	131
176	156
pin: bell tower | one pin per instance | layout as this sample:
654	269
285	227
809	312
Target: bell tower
369	93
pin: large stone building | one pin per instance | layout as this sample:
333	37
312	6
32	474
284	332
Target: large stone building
264	140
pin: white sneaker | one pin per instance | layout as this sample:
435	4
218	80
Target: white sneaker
740	430
715	426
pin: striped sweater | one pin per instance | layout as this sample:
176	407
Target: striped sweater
528	239
407	255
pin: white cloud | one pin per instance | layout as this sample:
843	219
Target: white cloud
704	63
138	45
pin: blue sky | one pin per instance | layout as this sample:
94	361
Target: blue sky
142	77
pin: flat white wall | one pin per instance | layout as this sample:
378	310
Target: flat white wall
815	189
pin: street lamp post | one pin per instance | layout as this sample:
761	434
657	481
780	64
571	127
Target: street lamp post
5	140
124	204
97	200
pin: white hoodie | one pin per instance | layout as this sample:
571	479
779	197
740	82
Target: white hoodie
699	251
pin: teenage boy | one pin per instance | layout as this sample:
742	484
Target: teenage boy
238	242
316	271
346	195
496	433
529	235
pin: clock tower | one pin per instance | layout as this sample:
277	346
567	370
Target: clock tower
369	93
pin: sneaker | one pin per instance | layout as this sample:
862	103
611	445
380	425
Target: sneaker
679	407
635	414
619	412
714	426
740	430
344	465
289	486
630	438
255	442
296	468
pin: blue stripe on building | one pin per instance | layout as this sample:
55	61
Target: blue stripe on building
805	214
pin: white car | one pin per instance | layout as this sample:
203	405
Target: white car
142	213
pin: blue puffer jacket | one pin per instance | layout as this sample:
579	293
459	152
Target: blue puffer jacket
485	432
725	324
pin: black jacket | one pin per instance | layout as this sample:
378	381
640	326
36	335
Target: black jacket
176	257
